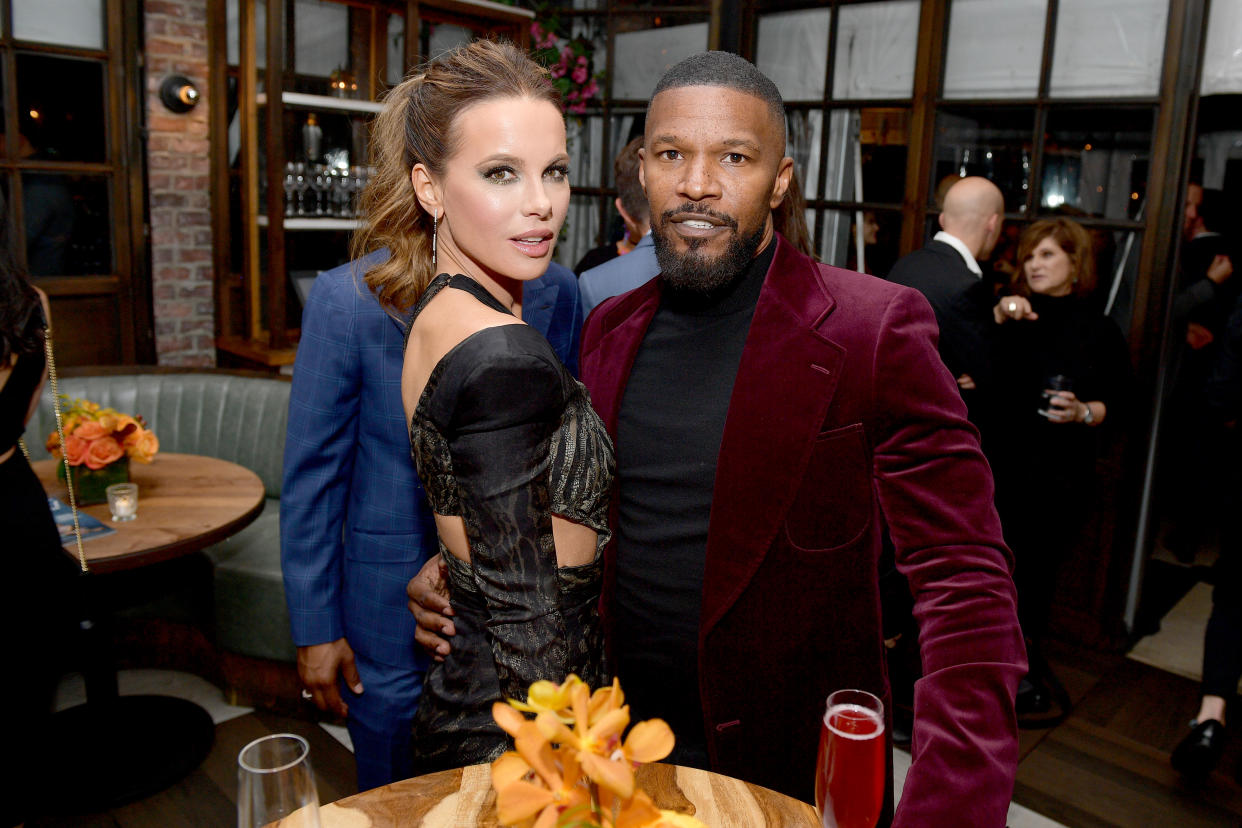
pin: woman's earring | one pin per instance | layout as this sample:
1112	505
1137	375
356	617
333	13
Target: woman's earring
435	221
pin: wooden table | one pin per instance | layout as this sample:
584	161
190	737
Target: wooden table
185	503
137	745
464	797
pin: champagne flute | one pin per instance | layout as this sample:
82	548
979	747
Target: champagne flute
276	784
850	770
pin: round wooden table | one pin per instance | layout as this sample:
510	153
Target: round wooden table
185	502
464	797
137	745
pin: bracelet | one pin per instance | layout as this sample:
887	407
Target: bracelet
1089	417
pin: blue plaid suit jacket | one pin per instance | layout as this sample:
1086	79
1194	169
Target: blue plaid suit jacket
354	520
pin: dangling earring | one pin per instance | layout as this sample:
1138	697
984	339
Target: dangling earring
435	221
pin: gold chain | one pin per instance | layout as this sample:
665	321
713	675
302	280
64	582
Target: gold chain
64	454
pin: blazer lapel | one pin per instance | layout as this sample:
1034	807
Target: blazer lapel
780	398
624	327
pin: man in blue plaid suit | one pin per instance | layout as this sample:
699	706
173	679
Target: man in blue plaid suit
354	521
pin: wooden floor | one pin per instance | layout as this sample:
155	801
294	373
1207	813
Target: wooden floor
207	798
1106	765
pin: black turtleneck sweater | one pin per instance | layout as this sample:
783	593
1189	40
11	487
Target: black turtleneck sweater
669	429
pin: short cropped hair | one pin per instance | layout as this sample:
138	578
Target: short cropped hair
727	70
629	188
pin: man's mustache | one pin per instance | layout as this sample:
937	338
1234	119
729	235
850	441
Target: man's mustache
699	210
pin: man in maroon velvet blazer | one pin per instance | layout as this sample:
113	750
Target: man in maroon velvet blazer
842	420
772	417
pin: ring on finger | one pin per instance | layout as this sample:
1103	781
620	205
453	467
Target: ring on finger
1013	306
306	694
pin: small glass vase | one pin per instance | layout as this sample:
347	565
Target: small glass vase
90	486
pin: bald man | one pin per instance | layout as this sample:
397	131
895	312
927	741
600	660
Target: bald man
948	273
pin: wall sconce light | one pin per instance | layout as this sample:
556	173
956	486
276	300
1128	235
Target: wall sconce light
178	93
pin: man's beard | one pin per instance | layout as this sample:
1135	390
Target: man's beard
694	272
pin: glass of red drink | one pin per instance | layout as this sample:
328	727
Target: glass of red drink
849	774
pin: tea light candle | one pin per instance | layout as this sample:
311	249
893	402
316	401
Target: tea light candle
123	501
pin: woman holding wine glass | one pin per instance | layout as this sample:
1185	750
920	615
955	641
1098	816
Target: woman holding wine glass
1062	372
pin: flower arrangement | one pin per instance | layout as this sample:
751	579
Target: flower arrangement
99	443
569	61
571	767
96	437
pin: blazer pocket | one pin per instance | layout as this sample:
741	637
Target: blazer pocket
388	547
833	505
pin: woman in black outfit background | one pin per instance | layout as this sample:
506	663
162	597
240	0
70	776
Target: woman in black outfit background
1062	372
36	568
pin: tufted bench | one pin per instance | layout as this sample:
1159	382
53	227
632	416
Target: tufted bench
233	416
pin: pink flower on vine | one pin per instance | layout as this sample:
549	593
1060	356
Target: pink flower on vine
580	74
572	95
567	54
558	70
590	90
576	109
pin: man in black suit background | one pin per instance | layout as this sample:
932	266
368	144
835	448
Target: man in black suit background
947	272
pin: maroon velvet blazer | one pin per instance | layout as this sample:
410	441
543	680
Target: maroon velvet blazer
843	420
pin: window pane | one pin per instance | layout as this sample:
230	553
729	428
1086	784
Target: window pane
994	48
445	37
1222	59
876	44
321	37
874	233
77	23
802	145
233	15
396	50
586	148
643	56
1108	47
68	224
1096	162
992	142
580	231
792	50
866	155
55	125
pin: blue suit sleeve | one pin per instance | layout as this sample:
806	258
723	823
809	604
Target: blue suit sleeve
565	326
318	462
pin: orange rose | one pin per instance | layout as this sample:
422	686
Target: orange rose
76	449
127	430
145	448
103	451
108	422
91	430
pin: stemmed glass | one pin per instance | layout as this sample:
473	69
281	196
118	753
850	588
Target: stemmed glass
290	186
301	183
275	782
321	184
850	770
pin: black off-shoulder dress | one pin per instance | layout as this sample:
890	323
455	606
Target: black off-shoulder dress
505	437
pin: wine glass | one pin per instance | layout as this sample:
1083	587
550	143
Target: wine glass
275	782
290	186
850	770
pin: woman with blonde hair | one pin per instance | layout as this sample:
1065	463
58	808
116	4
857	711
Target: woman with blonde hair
1062	371
470	195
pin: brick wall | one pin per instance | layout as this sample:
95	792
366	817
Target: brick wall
178	187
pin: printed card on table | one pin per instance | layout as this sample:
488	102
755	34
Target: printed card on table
92	527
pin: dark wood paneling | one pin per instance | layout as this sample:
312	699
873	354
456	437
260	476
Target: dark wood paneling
86	330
